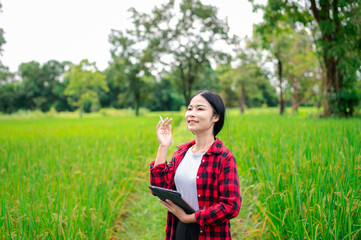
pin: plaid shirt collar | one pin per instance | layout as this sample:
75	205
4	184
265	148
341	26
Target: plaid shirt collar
214	149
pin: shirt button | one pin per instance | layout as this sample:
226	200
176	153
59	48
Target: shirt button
198	195
201	231
203	160
197	176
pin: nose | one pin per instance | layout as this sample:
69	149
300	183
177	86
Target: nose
189	113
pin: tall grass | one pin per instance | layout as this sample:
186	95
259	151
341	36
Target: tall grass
300	177
69	178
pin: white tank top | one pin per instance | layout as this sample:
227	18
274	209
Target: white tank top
186	177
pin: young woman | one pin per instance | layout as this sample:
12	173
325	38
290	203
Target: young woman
204	171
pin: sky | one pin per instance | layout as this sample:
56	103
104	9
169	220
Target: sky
72	30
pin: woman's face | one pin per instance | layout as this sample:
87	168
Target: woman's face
199	115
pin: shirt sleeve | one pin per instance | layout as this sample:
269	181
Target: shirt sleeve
162	175
229	202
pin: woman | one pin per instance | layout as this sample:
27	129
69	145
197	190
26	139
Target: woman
203	171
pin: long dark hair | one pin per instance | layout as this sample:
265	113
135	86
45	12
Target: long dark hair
218	108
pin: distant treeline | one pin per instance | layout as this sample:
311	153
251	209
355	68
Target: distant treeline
56	85
301	54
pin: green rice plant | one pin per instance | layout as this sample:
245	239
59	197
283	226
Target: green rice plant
70	178
300	177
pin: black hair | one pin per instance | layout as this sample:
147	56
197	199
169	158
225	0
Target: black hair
218	108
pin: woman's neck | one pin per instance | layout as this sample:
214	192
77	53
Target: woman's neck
203	142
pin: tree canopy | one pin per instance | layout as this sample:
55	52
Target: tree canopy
336	28
307	53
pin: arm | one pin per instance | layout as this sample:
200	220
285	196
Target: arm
164	135
229	201
162	173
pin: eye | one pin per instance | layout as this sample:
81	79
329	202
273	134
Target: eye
200	109
189	109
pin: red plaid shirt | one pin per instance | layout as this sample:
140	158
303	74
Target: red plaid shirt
217	188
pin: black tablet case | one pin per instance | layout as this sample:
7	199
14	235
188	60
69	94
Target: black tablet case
174	196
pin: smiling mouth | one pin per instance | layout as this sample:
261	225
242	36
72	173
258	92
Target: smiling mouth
191	121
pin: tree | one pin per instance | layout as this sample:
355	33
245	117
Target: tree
183	44
32	86
116	88
336	26
228	90
5	75
84	81
302	70
276	39
4	71
163	96
129	63
251	83
39	83
2	39
248	77
9	97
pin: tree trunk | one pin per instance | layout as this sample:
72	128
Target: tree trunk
137	99
280	100
332	82
294	105
294	95
331	85
242	99
184	85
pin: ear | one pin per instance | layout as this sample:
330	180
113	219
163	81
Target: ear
215	118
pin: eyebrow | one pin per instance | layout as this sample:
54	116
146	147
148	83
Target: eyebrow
197	105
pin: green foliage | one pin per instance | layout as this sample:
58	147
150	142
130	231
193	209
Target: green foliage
40	85
275	37
9	97
84	81
2	39
5	75
163	97
336	27
302	71
185	47
33	84
247	83
129	69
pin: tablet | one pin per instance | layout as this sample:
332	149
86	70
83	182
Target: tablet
174	196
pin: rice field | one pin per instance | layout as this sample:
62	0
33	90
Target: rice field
72	178
69	178
300	177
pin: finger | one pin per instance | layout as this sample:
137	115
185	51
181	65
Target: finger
163	202
171	204
165	205
158	124
164	121
168	209
168	122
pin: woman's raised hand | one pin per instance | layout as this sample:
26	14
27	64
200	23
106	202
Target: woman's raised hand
164	132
